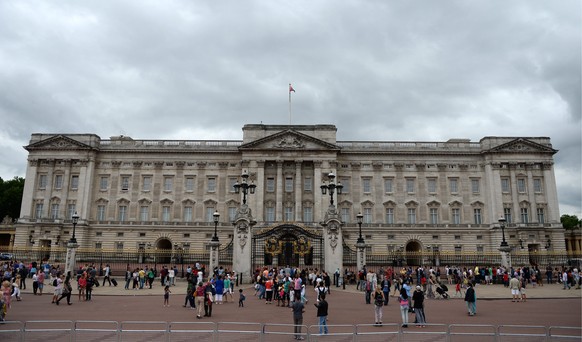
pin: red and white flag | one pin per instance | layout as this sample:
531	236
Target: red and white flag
291	88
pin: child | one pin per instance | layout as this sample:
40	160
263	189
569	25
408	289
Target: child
522	292
241	299
167	295
458	290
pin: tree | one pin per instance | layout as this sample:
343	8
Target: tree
11	197
570	222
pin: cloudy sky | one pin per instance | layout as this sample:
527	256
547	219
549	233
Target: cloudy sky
378	70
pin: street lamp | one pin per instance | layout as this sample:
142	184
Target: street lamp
502	225
245	186
360	219
331	186
216	216
75	218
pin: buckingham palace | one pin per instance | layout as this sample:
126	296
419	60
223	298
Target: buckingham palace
290	194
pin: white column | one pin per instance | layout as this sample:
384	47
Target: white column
318	200
279	216
213	257
551	193
260	191
27	208
298	191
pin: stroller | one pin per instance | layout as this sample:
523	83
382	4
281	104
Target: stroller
441	291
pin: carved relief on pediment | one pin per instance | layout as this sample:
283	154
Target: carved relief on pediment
289	141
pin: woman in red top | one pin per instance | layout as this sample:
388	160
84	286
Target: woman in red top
82	286
269	291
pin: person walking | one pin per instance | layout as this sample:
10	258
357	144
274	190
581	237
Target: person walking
298	309
403	301
471	299
322	308
386	289
200	296
167	296
107	275
82	286
378	303
418	304
66	290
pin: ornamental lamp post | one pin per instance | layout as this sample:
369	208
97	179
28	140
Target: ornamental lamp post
72	247
245	186
360	219
75	218
331	187
216	216
360	244
504	247
502	221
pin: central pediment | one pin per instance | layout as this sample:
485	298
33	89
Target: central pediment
289	140
58	142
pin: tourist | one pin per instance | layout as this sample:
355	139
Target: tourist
471	298
418	304
241	298
298	309
82	286
167	296
378	303
403	301
58	288
107	275
67	290
514	286
322	308
200	295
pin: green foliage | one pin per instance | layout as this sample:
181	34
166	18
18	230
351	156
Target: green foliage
11	197
570	222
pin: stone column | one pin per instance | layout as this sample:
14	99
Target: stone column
298	191
361	255
279	216
213	257
70	259
333	241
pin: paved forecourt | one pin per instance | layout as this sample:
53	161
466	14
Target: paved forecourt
549	305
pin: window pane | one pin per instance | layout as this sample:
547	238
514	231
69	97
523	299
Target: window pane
507	215
505	184
524	215
270	214
409	185
477	214
38	211
475	185
434	216
187	214
168	183
71	208
366	185
58	181
122	213
521	184
124	183
210	214
166	214
147	183
346	184
541	218
100	212
42	180
288	213
144	213
367	215
307	214
456	216
231	183
54	211
308	184
537	185
190	184
390	215
231	213
288	184
270	185
411	215
345	214
211	186
75	182
103	183
453	185
432	185
388	185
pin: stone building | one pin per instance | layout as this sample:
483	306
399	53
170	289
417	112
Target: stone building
413	196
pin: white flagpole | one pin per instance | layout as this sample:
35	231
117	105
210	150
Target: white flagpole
289	103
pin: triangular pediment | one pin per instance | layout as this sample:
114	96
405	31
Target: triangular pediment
58	142
522	145
289	140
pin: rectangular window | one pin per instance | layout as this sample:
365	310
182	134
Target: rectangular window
58	181
270	214
42	181
144	213
189	184
458	250
434	215
345	212
288	184
74	182
475	188
540	212
231	182
366	185
210	214
524	215
288	213
166	211
188	214
477	215
147	183
211	186
168	184
308	184
390	215
38	211
453	185
410	185
505	185
367	215
231	213
122	213
411	215
98	245
54	211
307	214
103	183
388	185
432	185
346	184
456	216
125	183
101	213
521	185
71	209
270	185
119	246
507	215
537	185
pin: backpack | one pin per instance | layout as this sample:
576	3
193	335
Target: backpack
368	287
55	282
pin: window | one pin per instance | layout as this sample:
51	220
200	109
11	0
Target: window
270	184
288	213
345	212
410	185
367	215
166	210
188	214
411	215
168	183
38	211
74	182
144	213
122	213
119	246
103	183
346	184
431	185
505	184
101	213
147	183
388	185
540	212
231	213
390	215
98	245
288	184
71	209
308	184
453	185
434	215
210	214
270	214
477	215
58	181
367	185
186	235
521	185
475	188
507	215
42	180
189	184
537	185
211	186
307	214
458	249
231	182
456	216
120	234
125	183
142	234
524	215
54	210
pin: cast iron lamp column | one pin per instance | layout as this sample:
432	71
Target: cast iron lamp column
360	244
72	247
214	244
504	247
244	186
331	187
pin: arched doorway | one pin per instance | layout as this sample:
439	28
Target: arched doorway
163	251
413	253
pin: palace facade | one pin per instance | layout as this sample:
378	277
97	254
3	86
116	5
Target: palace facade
413	196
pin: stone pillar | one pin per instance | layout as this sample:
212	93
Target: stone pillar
70	259
333	242
279	215
361	257
298	191
213	257
505	256
241	249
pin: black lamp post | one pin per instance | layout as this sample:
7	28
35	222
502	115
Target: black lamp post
360	219
331	187
75	218
216	216
549	244
245	186
502	225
